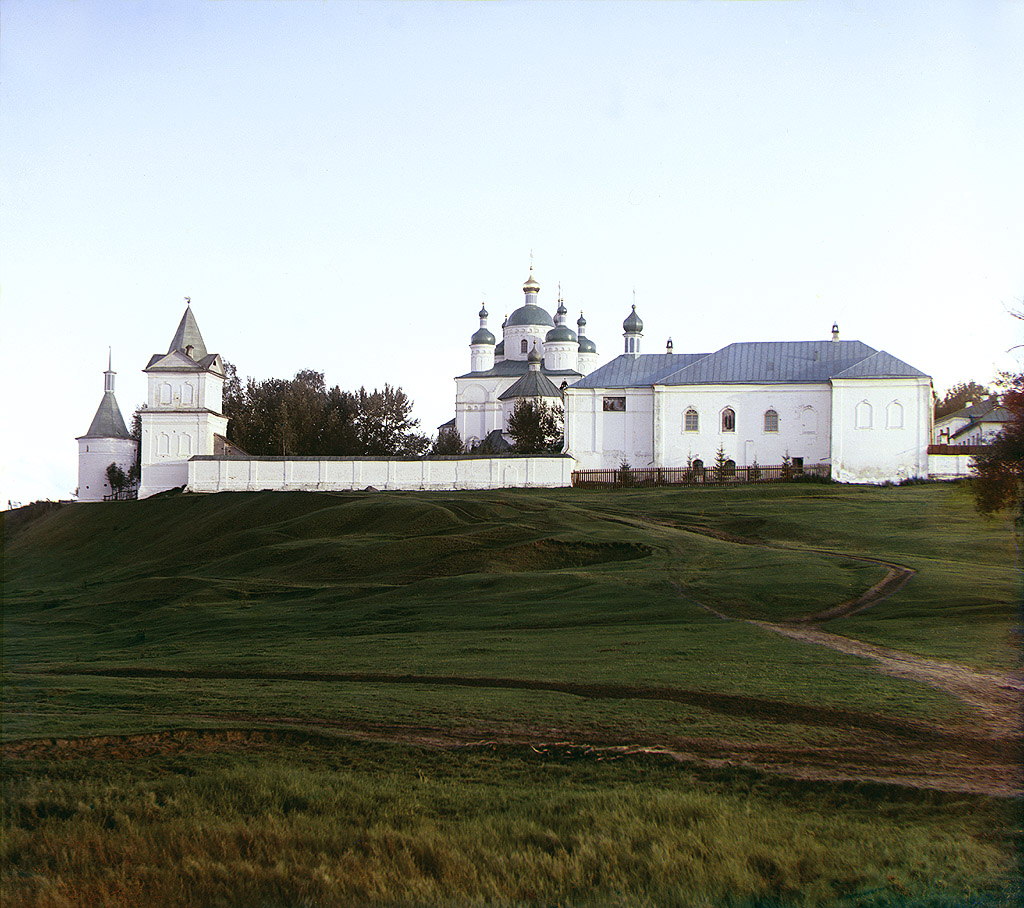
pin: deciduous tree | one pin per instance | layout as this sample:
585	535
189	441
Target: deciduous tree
959	396
998	471
535	428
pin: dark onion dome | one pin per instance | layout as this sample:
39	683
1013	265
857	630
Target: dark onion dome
587	345
632	324
483	311
529	315
581	323
500	349
534	356
482	336
560	334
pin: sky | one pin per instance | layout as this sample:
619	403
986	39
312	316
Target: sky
339	185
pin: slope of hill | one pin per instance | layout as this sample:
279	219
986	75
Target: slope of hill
562	626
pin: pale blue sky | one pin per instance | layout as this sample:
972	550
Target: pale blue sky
338	186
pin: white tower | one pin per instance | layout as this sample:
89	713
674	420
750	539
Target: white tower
107	442
561	348
586	362
182	415
481	346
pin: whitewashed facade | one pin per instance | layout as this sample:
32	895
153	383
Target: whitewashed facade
182	416
862	412
107	441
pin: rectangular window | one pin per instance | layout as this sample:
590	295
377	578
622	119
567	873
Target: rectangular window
615	405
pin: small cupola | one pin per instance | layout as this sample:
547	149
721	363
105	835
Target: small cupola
482	335
632	331
668	345
835	332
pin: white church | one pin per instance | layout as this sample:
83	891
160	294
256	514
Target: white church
858	412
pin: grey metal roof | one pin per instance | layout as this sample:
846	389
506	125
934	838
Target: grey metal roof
628	371
108	422
188	335
179	362
534	384
772	362
500	349
529	315
982	409
509	367
881	365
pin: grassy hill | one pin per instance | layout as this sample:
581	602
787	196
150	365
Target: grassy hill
529	696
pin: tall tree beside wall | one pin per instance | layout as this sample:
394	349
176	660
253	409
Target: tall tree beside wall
384	423
535	428
998	481
301	417
959	396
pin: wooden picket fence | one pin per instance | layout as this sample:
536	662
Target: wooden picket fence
694	476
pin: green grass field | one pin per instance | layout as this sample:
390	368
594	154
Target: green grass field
521	697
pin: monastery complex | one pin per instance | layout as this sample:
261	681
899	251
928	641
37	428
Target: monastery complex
859	413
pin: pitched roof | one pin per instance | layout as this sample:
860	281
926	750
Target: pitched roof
772	362
990	410
881	365
628	371
509	367
108	422
534	384
188	335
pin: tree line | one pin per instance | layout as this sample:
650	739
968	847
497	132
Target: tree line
302	417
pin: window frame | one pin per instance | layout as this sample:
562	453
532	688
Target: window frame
727	414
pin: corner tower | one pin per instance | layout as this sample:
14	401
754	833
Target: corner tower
182	415
107	442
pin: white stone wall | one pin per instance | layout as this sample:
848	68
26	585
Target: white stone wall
477	408
949	466
602	439
215	474
94	456
880	429
803	423
172	437
516	334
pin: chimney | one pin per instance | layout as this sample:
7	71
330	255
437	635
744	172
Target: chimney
668	346
835	332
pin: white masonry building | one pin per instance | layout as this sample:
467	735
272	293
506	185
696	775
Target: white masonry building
861	412
106	442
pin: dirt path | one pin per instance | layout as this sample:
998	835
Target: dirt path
995	695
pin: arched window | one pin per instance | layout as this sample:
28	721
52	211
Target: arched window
522	346
185	445
728	420
894	415
186	394
691	421
771	421
863	415
165	393
808	421
163	444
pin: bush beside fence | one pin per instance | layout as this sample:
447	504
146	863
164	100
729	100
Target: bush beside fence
696	476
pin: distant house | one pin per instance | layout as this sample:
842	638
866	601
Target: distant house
976	424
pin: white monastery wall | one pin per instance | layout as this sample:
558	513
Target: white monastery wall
223	474
602	439
949	466
880	429
94	456
800	428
